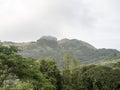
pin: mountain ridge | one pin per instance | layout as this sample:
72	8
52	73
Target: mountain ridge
49	46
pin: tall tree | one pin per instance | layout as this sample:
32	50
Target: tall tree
24	69
66	72
7	62
49	69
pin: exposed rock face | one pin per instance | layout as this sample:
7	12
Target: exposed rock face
48	41
50	38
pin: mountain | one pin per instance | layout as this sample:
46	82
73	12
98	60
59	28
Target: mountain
48	46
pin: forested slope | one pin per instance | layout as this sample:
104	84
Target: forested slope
48	46
19	73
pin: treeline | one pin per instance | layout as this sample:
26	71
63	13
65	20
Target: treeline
18	73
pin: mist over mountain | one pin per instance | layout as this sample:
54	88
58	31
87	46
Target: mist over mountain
49	46
94	21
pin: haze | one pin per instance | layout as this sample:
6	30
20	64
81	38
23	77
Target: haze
94	21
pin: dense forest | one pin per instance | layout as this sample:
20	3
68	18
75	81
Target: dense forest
20	73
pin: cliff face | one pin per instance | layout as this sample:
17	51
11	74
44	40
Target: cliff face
47	41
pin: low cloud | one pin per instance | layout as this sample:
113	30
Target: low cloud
88	20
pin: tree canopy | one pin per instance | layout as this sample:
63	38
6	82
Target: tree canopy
19	73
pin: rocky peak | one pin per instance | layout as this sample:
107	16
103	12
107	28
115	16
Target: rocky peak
48	41
50	38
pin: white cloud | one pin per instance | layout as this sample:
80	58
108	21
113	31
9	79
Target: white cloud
90	20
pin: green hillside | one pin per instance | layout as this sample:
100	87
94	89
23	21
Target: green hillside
48	46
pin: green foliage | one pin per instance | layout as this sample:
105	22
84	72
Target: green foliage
7	61
25	69
49	69
17	85
116	65
96	78
69	64
18	73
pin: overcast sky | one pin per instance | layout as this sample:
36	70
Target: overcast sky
94	21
